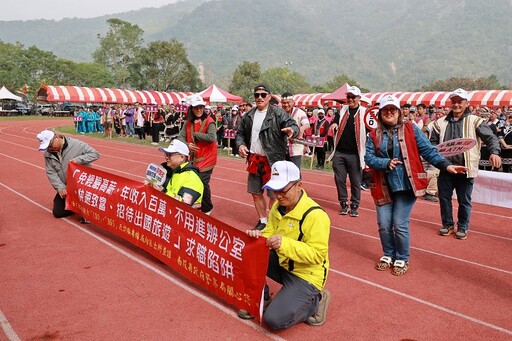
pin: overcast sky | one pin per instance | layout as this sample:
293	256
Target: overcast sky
58	9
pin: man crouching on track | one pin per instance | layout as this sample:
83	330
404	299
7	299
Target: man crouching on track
298	235
59	152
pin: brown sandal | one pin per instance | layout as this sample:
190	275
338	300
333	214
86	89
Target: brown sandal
400	267
384	263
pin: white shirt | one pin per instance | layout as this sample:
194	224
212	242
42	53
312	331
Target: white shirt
256	147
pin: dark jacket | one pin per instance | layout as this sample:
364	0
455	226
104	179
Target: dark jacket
273	140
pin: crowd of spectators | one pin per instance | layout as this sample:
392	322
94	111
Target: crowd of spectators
163	123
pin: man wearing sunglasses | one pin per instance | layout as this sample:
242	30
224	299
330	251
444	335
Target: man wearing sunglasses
59	152
298	235
262	138
349	149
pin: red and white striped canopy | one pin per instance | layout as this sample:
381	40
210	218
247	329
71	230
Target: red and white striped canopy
215	94
490	98
79	94
310	100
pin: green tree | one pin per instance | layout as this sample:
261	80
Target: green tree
283	79
450	84
245	78
164	66
118	49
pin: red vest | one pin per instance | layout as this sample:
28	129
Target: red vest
206	157
411	161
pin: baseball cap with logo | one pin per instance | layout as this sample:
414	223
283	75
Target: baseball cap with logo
389	100
176	146
354	90
459	93
197	100
283	172
45	137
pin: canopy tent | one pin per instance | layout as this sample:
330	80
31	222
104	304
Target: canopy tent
490	98
215	94
6	94
79	94
339	95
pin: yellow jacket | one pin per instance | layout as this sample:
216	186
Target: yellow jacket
186	182
308	257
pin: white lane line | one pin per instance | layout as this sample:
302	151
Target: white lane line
7	328
227	310
427	303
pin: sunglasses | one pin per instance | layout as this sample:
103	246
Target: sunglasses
260	94
351	96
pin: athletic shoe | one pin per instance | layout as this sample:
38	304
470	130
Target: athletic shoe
84	221
320	316
259	226
364	186
344	209
446	230
353	211
461	234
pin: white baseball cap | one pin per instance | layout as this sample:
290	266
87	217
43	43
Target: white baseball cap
197	100
176	146
459	93
283	172
389	100
354	90
45	137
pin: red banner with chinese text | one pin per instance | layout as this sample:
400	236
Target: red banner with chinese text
214	255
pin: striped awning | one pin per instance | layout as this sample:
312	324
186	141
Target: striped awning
490	98
77	94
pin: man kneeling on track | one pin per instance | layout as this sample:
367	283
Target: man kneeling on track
59	152
298	235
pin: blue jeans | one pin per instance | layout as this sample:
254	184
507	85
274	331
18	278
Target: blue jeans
463	186
393	220
130	130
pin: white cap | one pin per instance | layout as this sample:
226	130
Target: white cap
320	111
283	172
354	90
389	100
45	137
197	100
235	107
176	146
460	93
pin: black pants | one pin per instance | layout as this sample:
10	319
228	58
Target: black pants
320	155
155	131
206	203
59	210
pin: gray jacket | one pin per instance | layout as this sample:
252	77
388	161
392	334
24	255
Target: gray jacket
56	168
273	140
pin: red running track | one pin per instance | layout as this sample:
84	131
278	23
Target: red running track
63	280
